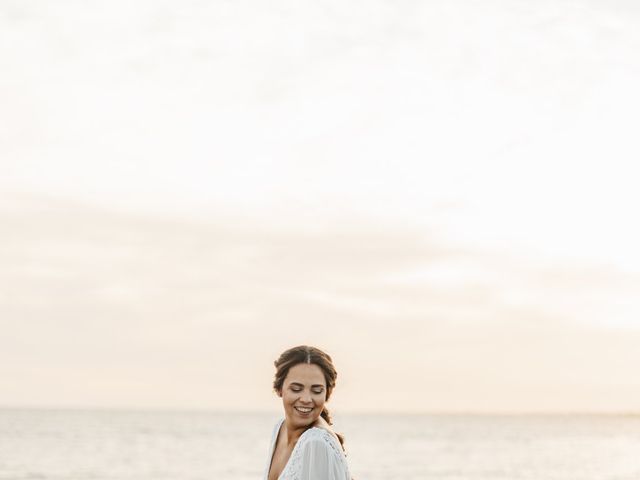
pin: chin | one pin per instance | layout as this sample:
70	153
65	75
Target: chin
296	419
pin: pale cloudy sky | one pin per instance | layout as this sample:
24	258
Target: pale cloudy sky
441	194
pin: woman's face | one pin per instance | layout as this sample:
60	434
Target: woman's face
304	393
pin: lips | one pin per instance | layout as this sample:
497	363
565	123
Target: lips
303	410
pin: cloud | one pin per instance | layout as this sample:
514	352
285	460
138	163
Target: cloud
103	295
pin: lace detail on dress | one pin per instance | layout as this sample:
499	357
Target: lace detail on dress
293	468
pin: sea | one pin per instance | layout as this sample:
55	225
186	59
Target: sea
199	445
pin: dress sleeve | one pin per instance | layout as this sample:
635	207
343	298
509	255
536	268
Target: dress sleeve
319	462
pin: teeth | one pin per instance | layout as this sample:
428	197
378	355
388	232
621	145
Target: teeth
303	410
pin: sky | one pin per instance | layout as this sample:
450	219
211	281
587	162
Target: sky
440	194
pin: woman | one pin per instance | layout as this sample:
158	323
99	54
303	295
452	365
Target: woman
303	445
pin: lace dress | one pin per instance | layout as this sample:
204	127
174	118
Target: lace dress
317	455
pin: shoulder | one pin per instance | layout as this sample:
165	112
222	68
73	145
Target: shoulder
323	439
278	423
276	428
321	455
322	424
324	431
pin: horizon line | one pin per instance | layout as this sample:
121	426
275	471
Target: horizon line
227	411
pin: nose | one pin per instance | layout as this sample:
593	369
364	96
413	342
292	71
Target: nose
305	397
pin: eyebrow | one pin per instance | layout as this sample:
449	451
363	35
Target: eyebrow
312	386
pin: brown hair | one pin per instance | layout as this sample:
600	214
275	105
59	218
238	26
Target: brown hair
310	355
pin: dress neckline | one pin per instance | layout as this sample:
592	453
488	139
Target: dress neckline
274	441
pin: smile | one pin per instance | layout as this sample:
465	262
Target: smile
303	409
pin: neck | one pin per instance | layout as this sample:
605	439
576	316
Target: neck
292	433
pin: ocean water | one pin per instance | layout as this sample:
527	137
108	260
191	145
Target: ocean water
138	445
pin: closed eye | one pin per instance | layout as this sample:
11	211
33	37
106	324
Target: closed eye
300	389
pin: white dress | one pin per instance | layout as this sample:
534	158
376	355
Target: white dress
317	455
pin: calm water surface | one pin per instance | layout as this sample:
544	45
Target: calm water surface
119	445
